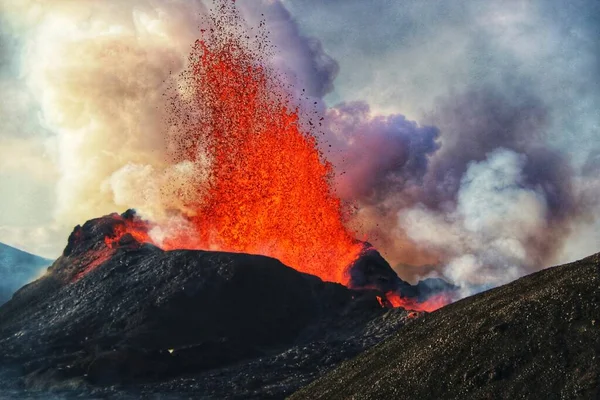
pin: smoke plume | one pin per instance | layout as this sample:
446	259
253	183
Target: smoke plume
477	191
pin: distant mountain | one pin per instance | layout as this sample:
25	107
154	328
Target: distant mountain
537	337
17	268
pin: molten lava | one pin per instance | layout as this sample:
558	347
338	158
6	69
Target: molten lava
127	229
269	188
135	227
431	304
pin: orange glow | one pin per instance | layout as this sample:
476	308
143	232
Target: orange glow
91	261
431	304
120	226
269	190
134	226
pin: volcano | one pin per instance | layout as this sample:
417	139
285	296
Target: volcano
290	293
116	310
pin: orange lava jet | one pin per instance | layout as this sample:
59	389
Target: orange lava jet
269	189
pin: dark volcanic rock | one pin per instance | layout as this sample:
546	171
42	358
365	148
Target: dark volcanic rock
16	269
182	323
538	337
371	270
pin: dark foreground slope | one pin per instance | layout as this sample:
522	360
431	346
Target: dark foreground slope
16	269
538	337
132	320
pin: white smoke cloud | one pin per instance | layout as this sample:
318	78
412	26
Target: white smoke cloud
100	78
99	71
486	237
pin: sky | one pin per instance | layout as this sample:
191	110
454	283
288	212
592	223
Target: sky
468	131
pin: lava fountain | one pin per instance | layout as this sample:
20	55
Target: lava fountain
269	188
265	186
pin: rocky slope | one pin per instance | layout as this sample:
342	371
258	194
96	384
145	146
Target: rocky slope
126	318
17	268
538	337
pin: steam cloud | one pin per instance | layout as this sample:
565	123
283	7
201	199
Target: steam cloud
482	202
475	195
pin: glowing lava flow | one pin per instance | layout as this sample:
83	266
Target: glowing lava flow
431	304
121	227
136	227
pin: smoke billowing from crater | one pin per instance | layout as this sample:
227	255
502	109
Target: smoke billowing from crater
476	194
496	202
481	197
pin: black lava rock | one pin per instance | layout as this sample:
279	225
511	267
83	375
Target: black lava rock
535	338
133	320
